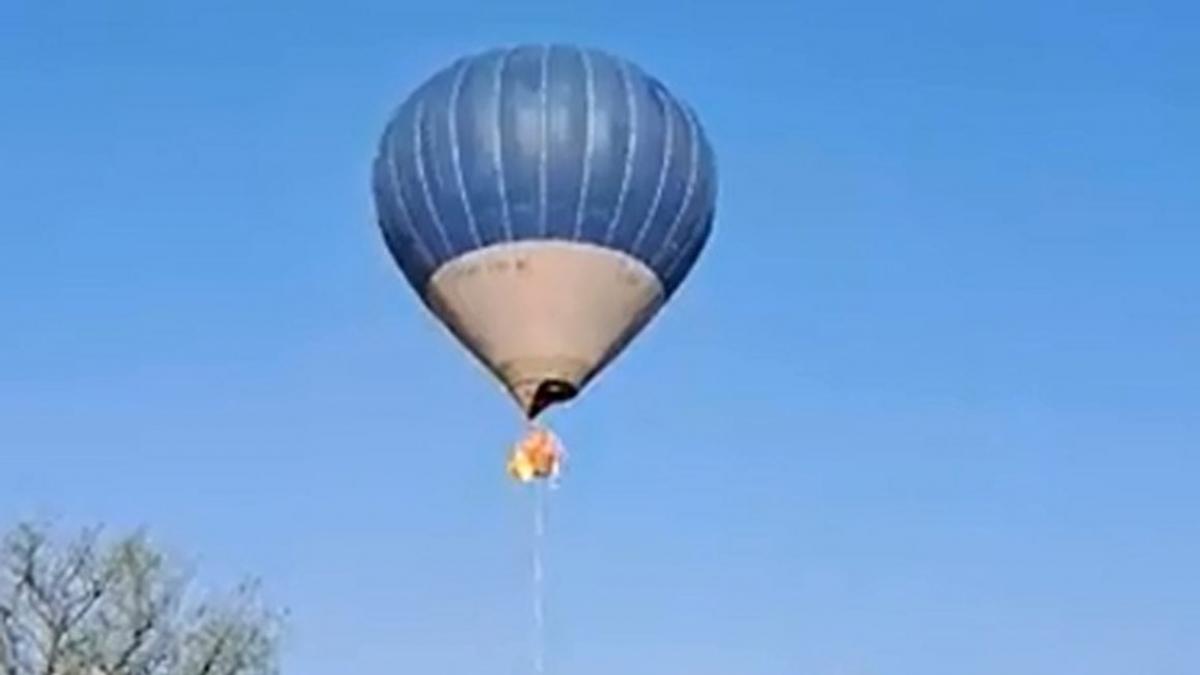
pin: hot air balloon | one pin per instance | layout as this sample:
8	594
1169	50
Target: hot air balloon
544	202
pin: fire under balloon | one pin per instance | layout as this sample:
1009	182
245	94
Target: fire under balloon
536	457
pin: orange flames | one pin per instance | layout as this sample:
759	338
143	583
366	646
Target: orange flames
537	456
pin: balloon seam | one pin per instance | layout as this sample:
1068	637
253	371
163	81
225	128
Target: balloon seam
693	239
662	173
398	195
631	150
542	157
685	203
585	183
455	151
501	182
420	161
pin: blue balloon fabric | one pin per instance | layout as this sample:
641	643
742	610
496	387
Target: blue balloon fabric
544	143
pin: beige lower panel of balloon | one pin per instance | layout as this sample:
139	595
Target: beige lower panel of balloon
534	311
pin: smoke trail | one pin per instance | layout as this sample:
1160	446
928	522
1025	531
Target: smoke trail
539	600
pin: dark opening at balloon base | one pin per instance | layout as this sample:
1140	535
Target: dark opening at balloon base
548	393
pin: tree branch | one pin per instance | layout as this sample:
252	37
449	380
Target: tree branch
218	646
9	643
136	641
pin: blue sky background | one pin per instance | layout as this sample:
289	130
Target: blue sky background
928	404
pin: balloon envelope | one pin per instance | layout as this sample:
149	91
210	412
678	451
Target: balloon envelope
544	202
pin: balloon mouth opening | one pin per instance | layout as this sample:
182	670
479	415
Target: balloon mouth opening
548	393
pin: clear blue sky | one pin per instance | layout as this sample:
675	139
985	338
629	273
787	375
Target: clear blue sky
929	404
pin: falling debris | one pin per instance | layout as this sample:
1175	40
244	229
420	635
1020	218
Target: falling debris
537	456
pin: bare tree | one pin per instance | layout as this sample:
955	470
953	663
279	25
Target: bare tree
95	607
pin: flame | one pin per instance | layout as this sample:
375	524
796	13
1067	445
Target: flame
537	456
